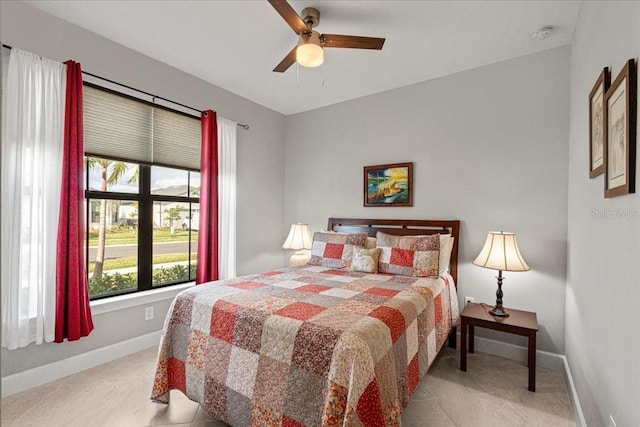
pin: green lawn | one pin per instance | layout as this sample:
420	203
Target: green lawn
118	263
126	236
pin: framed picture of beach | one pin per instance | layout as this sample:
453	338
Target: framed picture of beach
620	135
388	185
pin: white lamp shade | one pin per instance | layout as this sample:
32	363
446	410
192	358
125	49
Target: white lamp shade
309	52
500	252
298	238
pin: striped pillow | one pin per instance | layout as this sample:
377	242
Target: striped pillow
409	255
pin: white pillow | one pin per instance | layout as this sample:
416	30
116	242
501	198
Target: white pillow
365	260
446	246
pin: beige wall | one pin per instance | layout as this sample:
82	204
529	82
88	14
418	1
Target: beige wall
603	276
489	147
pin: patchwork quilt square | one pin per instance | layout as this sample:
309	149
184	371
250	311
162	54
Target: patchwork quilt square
195	382
183	309
313	288
248	285
302	404
270	384
401	257
215	397
238	408
223	320
243	368
218	356
340	293
392	318
313	348
333	250
382	291
300	310
197	349
278	337
247	333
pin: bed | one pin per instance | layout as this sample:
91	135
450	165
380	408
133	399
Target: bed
319	344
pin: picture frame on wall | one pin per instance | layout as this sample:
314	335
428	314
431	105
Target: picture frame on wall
620	135
388	185
597	126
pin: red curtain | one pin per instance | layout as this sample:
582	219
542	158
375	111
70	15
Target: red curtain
73	313
208	235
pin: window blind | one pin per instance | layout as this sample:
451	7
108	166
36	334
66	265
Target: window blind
121	127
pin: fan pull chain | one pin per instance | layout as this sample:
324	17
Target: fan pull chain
322	76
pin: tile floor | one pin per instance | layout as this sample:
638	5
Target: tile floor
493	392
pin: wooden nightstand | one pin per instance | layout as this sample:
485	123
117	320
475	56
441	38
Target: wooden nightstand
519	322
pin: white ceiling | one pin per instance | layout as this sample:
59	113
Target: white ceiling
236	44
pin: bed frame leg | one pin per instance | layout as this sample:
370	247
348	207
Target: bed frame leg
452	338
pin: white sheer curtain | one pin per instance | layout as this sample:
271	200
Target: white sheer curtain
227	135
32	147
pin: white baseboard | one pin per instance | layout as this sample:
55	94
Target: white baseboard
21	381
544	359
578	415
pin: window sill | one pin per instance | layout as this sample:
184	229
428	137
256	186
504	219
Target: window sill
121	302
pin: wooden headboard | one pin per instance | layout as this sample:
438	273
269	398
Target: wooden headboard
403	227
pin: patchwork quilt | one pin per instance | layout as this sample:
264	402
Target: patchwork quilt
311	346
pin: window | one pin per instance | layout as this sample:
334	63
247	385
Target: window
142	211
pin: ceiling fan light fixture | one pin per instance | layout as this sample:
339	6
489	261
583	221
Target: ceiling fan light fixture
309	52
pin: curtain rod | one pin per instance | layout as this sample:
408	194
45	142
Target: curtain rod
242	125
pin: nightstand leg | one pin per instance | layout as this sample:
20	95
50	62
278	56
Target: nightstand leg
463	346
472	332
532	361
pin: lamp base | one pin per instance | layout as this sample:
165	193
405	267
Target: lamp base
499	311
299	259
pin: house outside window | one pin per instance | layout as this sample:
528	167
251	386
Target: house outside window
142	211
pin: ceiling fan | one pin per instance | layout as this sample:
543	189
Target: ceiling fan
309	52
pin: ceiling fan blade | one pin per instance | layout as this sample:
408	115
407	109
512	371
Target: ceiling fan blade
286	11
287	62
353	42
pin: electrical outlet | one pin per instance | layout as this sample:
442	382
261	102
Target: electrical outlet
467	300
612	421
148	313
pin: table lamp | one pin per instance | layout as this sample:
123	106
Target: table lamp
299	238
500	252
